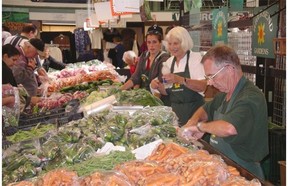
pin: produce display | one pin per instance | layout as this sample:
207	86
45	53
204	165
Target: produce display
137	97
125	98
34	132
78	141
57	100
58	84
10	115
101	162
70	153
172	164
181	168
89	86
72	69
77	73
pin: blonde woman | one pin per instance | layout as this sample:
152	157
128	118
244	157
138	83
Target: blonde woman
186	74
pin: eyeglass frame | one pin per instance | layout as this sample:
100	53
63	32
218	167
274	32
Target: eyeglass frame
211	77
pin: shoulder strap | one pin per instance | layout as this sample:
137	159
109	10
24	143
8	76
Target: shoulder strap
16	41
160	54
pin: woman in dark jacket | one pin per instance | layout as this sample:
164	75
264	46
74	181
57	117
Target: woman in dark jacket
10	55
150	62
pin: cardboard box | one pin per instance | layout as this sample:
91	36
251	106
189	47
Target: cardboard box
282	172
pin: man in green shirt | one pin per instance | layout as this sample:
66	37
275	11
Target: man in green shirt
237	117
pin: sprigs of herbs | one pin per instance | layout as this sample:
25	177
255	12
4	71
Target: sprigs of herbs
102	162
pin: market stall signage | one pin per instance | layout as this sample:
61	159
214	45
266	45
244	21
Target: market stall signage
124	7
219	26
236	5
20	17
264	30
176	16
190	4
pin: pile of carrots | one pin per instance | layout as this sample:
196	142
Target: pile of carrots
166	151
108	178
137	171
169	164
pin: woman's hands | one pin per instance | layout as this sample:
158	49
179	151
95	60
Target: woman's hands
156	84
173	78
8	101
32	63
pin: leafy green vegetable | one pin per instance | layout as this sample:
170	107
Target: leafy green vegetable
137	97
35	132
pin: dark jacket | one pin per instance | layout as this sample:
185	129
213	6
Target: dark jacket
116	54
50	62
155	70
7	75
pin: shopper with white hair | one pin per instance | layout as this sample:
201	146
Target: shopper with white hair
131	59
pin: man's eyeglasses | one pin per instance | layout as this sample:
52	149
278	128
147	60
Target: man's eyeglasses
213	76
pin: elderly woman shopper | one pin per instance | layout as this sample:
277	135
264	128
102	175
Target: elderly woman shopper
131	59
10	56
185	74
150	62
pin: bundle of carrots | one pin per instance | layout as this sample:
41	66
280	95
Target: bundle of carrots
116	180
240	181
204	173
108	178
93	179
233	171
137	171
167	151
58	177
194	167
197	167
163	179
181	163
22	183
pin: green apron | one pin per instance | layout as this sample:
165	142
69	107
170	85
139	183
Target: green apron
184	101
146	76
224	147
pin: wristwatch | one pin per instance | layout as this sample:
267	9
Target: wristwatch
199	126
185	82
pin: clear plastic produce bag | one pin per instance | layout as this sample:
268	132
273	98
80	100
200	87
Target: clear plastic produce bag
11	114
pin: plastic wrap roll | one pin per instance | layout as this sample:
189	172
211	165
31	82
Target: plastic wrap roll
98	106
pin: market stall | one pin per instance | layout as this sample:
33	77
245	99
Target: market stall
87	131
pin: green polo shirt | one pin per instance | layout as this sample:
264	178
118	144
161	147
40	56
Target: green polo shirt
249	116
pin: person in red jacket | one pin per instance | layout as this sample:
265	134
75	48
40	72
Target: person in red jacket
130	58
